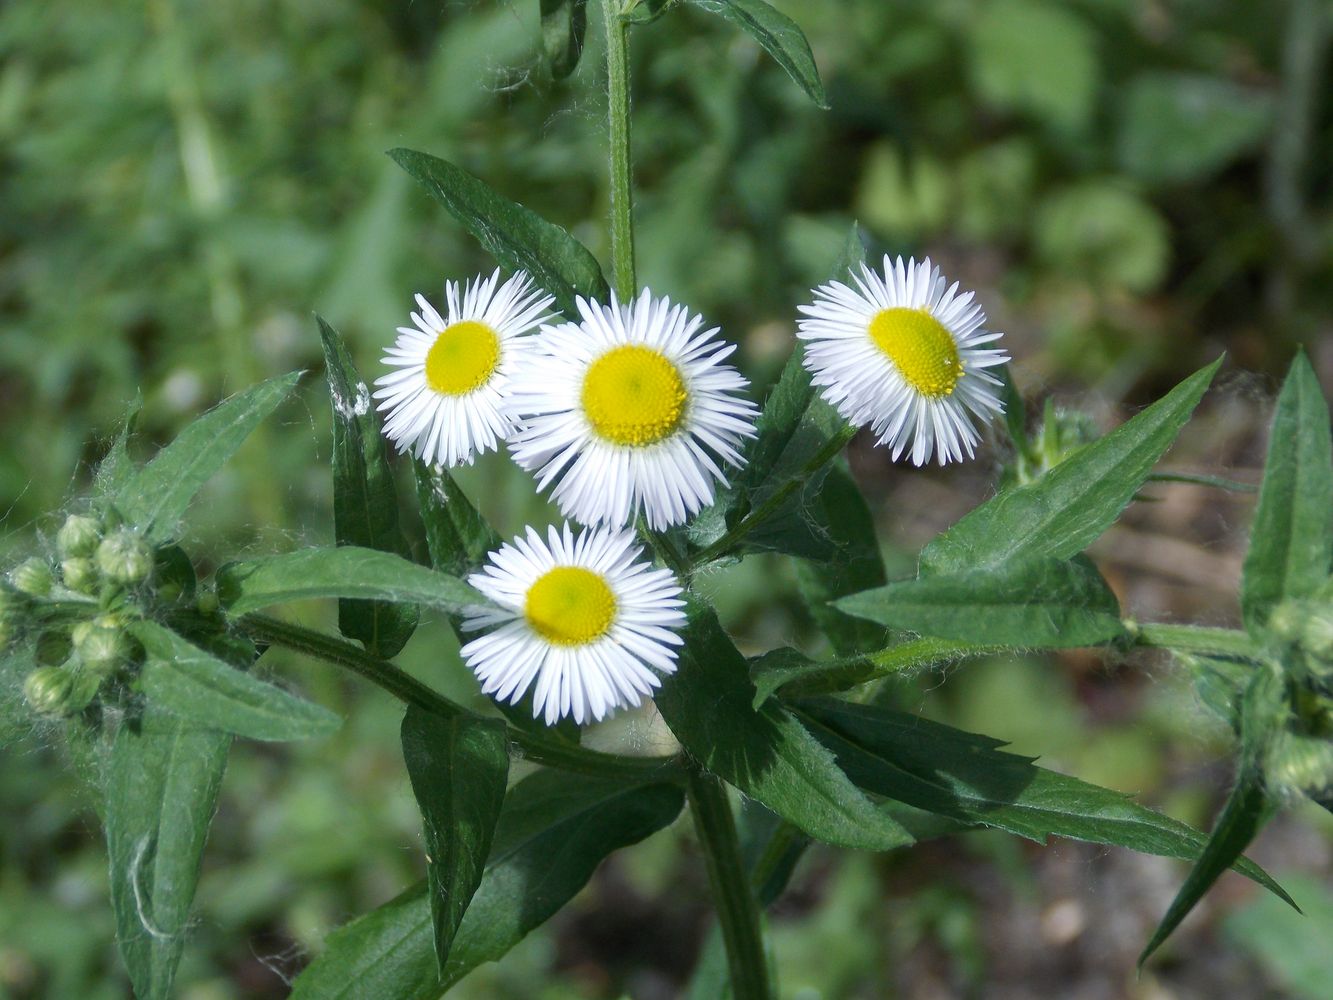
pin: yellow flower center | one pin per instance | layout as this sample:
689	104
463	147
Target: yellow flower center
570	606
632	395
920	348
463	358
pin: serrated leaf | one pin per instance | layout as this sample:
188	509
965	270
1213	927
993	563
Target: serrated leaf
457	536
1291	542
709	704
967	777
780	37
203	691
554	831
1061	513
157	497
1035	602
346	571
365	501
564	23
517	237
459	767
162	785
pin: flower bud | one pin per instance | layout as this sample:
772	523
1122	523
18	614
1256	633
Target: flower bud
1299	763
80	574
53	647
124	557
1317	634
207	602
101	644
33	577
1286	620
79	536
48	690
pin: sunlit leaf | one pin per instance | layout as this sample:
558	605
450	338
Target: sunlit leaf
780	36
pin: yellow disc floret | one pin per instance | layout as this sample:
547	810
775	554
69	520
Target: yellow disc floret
633	395
920	348
463	358
570	606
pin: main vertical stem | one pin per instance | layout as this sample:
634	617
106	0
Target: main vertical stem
737	909
622	199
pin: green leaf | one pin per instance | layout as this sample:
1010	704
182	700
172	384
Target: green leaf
779	35
459	767
117	468
646	11
967	777
162	784
200	689
1015	410
156	498
1291	543
1247	808
517	237
346	571
564	23
457	536
1034	602
1061	513
365	502
554	831
766	753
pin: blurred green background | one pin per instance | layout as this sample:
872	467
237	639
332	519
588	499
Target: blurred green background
1133	186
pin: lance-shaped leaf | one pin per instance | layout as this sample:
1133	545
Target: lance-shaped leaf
766	753
779	35
157	497
347	571
966	777
1247	808
117	468
1061	513
517	237
1037	602
554	831
459	767
365	502
162	783
201	689
564	23
457	536
1291	543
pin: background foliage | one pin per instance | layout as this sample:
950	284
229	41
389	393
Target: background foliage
1133	186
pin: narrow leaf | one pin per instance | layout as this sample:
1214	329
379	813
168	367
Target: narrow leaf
779	35
202	690
1038	602
564	23
157	498
457	536
365	502
1061	513
1291	543
117	468
766	753
341	572
517	237
162	785
459	767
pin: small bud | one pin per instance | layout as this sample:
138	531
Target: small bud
101	644
124	557
33	577
79	574
1317	634
207	602
1286	620
1298	763
79	536
48	690
53	647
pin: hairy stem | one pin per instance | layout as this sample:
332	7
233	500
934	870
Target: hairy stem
622	198
737	909
1194	639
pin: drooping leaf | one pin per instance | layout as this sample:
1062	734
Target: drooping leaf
1061	513
709	704
457	536
365	502
517	237
162	783
780	36
554	831
203	691
156	498
564	23
458	767
1291	542
1034	602
346	571
967	777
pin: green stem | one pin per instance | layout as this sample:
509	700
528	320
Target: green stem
411	691
777	498
1194	639
737	910
622	198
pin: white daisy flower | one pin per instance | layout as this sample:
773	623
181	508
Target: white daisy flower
901	352
586	619
631	410
446	401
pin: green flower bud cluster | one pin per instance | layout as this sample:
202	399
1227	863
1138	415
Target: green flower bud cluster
91	555
1062	433
1304	631
1299	764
